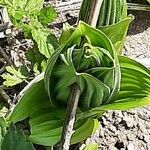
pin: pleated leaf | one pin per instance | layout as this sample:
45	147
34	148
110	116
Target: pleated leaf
135	87
121	28
46	121
94	66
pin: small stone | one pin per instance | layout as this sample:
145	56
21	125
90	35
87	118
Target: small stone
112	128
130	146
131	136
129	121
112	147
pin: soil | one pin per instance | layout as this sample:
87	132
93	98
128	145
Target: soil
138	40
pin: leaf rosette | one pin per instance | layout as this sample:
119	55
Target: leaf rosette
89	59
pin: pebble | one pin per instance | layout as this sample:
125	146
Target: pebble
130	146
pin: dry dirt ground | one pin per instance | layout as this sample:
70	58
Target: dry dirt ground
137	44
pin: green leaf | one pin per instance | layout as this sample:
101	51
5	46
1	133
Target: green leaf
14	76
6	3
52	39
135	87
27	31
11	80
15	72
35	57
40	36
121	27
46	121
47	15
46	125
111	12
29	99
90	66
80	134
66	33
15	139
148	1
112	19
91	147
3	126
33	6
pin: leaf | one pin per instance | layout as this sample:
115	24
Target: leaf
26	31
80	134
15	139
12	78
71	63
40	36
3	126
66	33
121	27
91	147
33	6
111	12
46	125
112	19
135	87
29	99
46	121
52	39
148	1
15	72
35	57
6	3
16	11
47	15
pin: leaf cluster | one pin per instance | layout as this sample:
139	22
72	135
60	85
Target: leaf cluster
32	18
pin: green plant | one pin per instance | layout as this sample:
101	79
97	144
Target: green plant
46	121
91	147
137	86
112	17
12	137
122	101
107	81
13	77
32	18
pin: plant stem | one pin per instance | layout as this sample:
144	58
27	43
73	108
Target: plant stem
4	55
70	117
5	98
93	13
89	11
